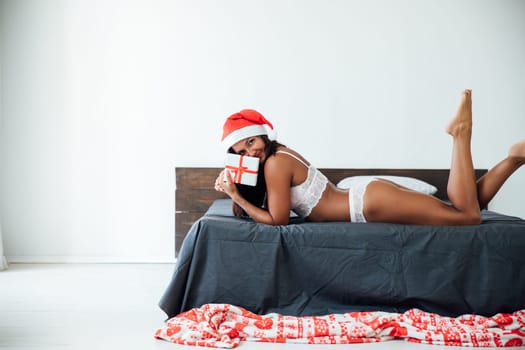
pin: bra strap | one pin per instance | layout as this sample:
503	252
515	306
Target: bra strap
294	156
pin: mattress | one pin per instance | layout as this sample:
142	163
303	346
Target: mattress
307	268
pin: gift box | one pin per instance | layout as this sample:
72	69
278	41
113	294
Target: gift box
243	169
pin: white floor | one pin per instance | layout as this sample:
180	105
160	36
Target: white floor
102	306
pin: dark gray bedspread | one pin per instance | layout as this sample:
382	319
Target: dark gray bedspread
320	268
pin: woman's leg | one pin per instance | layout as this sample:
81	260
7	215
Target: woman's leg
385	202
490	183
388	202
461	189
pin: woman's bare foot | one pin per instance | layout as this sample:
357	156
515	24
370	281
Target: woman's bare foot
462	121
517	151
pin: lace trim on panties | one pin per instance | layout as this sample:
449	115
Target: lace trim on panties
357	201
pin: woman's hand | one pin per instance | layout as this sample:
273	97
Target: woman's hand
224	183
218	182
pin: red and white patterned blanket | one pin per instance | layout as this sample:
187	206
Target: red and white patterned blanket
225	326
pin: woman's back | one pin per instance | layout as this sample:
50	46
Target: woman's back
311	194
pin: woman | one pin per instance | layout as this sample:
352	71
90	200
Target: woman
292	183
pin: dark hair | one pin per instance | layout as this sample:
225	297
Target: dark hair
256	194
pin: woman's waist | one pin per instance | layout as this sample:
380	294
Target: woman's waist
332	206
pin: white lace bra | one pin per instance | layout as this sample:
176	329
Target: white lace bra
305	196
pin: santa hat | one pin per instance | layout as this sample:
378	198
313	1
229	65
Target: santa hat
243	124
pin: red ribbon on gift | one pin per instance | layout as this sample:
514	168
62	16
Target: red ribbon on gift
240	170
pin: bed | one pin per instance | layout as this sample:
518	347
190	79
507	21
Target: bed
309	268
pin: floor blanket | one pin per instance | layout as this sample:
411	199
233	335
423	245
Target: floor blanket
225	326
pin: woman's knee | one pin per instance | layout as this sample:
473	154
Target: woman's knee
469	218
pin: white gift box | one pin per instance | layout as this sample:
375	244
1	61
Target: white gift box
243	169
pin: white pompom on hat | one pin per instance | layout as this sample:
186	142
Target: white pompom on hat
243	124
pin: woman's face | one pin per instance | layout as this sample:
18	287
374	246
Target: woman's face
253	146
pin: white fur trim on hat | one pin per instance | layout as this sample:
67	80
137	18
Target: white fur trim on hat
240	134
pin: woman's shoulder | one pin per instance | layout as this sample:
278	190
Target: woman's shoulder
284	158
289	154
282	154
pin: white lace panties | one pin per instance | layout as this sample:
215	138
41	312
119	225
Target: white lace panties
356	198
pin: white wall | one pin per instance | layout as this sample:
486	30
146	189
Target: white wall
3	262
103	98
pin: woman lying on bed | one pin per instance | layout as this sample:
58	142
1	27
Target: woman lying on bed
293	183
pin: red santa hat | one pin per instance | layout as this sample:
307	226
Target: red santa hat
243	124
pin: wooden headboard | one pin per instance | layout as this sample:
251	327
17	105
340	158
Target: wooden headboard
194	191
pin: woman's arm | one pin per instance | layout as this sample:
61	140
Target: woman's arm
278	175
